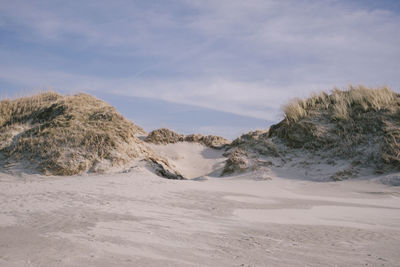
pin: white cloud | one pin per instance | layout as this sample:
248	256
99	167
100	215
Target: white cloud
245	57
252	99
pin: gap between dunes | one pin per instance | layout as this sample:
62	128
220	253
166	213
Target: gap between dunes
192	160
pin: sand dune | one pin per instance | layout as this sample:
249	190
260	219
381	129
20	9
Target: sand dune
192	160
346	134
270	209
138	219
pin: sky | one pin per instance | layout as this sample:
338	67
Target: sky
232	64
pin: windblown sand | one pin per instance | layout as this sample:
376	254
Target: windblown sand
139	219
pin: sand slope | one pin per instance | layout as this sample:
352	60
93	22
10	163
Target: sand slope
192	160
139	219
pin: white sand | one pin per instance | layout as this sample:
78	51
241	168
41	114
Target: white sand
192	160
139	219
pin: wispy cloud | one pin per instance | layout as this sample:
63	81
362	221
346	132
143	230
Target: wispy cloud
245	57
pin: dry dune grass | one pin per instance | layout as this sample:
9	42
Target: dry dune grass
351	123
341	104
166	136
66	135
360	124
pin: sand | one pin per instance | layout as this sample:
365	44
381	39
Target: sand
192	160
140	219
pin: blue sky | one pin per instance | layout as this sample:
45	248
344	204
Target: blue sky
241	59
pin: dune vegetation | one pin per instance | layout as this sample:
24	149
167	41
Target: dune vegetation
343	134
361	125
349	123
67	135
166	136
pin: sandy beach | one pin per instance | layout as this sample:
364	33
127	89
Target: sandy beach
139	219
200	133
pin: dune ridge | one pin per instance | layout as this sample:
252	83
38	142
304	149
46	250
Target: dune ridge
68	135
335	136
344	134
166	136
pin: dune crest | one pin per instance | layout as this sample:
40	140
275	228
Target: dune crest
335	136
166	136
68	135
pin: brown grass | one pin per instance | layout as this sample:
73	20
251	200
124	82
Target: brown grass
360	125
358	122
341	103
166	136
66	135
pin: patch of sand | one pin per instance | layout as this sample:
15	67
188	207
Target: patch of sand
139	219
192	160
